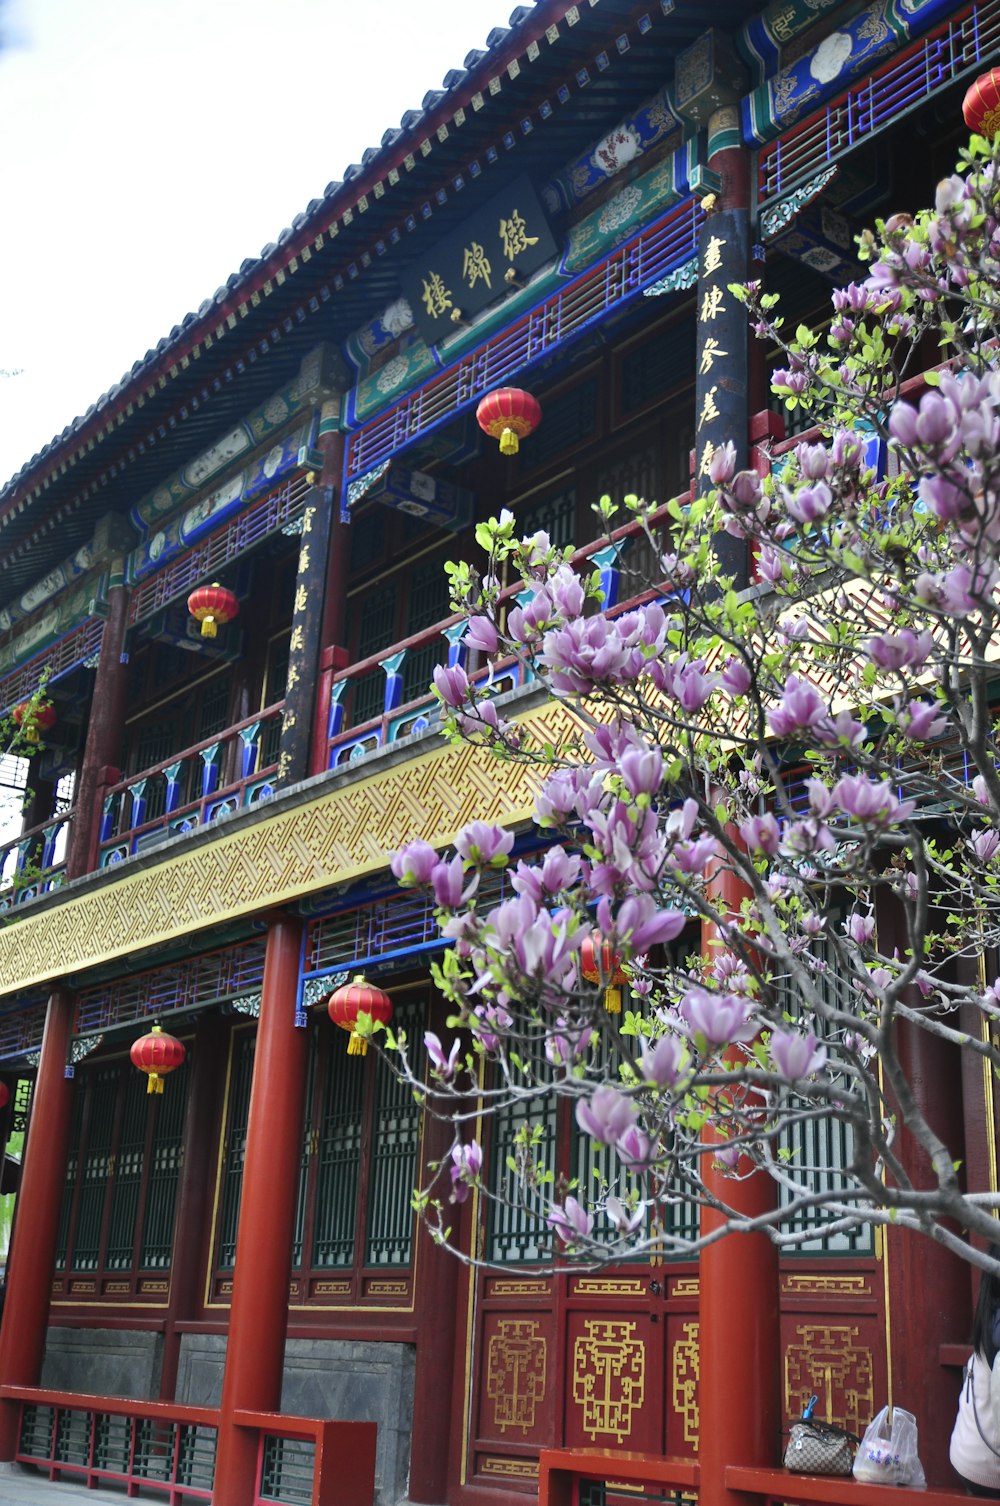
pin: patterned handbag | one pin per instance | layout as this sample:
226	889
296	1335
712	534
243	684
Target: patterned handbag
819	1448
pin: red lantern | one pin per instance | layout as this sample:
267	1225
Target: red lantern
34	718
981	105
211	605
510	415
4	1096
157	1054
346	1003
597	962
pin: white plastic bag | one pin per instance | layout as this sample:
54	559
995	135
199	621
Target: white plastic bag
888	1452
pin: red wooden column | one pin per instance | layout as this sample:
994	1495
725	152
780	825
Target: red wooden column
43	1178
739	1341
259	1313
104	734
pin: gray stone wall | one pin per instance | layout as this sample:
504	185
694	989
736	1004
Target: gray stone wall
103	1361
354	1380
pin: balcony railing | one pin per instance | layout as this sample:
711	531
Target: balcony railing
35	861
350	738
213	779
170	1449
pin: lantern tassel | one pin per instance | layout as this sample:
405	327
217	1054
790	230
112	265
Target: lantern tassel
155	1083
509	444
209	628
613	1000
357	1045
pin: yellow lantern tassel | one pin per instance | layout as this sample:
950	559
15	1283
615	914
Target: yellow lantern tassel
613	1000
209	628
155	1083
357	1045
509	442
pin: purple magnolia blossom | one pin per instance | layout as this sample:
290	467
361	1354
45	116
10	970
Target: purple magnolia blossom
662	1065
720	1018
735	677
605	1115
694	858
688	682
481	634
796	1056
443	1066
557	872
860	928
465	1170
722	464
761	833
583	654
810	504
488	1023
801	707
625	1220
873	802
903	650
635	1148
920	722
448	882
985	844
566	1044
571	1222
640	923
642	771
414	863
452	684
483	843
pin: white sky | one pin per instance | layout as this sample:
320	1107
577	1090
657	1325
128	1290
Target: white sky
150	146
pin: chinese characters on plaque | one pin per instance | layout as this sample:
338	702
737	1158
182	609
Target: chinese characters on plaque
491	252
720	387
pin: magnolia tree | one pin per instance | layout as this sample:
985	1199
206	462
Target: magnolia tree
780	813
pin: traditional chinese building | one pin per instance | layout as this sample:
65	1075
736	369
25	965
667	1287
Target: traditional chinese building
211	816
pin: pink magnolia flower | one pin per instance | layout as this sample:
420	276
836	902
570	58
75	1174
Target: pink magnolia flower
662	1064
443	1066
483	843
605	1115
414	863
796	1056
466	1167
571	1222
452	684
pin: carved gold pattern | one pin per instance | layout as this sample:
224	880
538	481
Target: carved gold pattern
830	1363
684	1286
515	1469
225	1288
609	1376
332	1289
597	1286
827	1286
278	857
519	1288
117	1288
515	1373
83	1286
685	1369
154	1286
387	1288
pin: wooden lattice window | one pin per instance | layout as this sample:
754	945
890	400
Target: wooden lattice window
122	1175
359	1164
